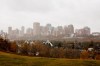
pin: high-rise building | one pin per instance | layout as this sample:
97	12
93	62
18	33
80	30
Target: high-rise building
43	31
36	28
48	29
87	30
71	29
78	32
16	32
22	31
83	32
1	32
54	32
60	30
65	30
29	31
9	30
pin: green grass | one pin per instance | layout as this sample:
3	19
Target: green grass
7	59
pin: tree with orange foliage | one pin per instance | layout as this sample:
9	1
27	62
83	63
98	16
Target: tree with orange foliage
13	46
84	54
41	48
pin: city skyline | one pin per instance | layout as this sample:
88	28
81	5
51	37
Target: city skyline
39	31
31	27
39	24
80	13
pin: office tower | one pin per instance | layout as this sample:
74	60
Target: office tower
36	28
83	32
43	31
48	29
29	31
16	32
70	29
60	30
22	31
87	30
48	26
54	32
78	32
1	32
65	30
9	30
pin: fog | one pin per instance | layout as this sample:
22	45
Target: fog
80	13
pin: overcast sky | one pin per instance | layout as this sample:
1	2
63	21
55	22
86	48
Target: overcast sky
80	13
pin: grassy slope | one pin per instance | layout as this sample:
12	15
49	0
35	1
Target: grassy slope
7	59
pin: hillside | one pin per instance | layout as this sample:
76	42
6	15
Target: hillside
7	59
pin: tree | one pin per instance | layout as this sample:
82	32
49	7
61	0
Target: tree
25	49
13	47
4	44
84	54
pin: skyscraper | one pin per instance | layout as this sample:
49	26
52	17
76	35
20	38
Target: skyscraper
71	29
9	30
65	30
83	32
60	30
29	31
48	29
87	30
22	31
36	28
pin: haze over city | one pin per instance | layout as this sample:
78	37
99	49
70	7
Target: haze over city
49	32
80	13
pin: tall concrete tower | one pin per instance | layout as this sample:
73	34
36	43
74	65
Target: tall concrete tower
71	29
9	30
22	30
36	29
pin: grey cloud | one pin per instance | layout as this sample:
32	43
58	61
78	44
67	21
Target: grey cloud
62	12
80	8
31	5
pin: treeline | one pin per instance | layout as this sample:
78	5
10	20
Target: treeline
38	49
42	50
60	49
4	45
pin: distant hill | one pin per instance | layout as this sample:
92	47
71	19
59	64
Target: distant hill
7	59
